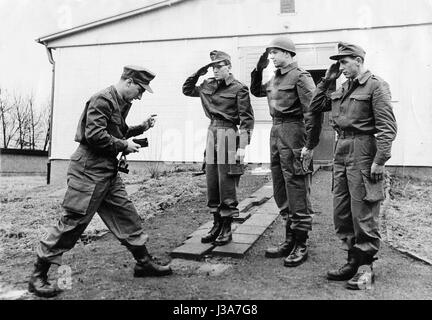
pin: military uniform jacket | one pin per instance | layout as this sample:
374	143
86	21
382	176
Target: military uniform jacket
289	93
363	108
224	100
102	128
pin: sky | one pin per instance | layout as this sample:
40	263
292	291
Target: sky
24	65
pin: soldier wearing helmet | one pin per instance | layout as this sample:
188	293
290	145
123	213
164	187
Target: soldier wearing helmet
289	93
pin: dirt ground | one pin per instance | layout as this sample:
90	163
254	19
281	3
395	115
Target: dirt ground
408	216
102	268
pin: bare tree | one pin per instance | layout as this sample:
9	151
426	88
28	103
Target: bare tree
22	117
34	123
45	123
22	123
7	122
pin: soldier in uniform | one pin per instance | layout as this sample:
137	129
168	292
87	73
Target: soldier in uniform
226	102
289	93
366	127
95	185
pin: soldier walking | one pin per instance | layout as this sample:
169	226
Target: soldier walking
94	184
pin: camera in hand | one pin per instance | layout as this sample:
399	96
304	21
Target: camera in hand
142	142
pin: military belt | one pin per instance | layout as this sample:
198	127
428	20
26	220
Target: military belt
351	134
222	123
278	120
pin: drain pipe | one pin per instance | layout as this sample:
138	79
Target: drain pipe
51	60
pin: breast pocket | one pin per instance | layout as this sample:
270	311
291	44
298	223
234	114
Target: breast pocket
287	92
360	106
228	100
228	95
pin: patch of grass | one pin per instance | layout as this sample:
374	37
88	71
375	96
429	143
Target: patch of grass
408	219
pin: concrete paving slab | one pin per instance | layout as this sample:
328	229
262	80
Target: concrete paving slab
265	191
192	250
251	229
234	250
243	216
198	233
246	204
245	238
261	220
195	239
269	207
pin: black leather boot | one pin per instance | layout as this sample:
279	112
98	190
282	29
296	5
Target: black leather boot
284	248
365	276
347	271
225	234
214	231
39	284
299	253
145	267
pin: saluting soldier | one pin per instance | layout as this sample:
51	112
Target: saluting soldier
95	185
289	93
226	103
366	127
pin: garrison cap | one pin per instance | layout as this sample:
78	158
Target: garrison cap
348	50
219	56
140	75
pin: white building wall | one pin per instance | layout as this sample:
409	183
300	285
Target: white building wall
402	56
217	18
181	125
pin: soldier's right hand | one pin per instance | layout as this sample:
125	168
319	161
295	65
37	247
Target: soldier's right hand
263	61
333	72
131	147
203	70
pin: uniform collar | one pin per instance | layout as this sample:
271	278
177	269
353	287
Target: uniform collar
288	68
364	77
119	98
229	80
123	105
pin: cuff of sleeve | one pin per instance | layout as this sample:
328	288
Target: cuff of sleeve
121	145
144	127
381	159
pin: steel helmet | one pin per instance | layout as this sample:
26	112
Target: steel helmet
283	43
